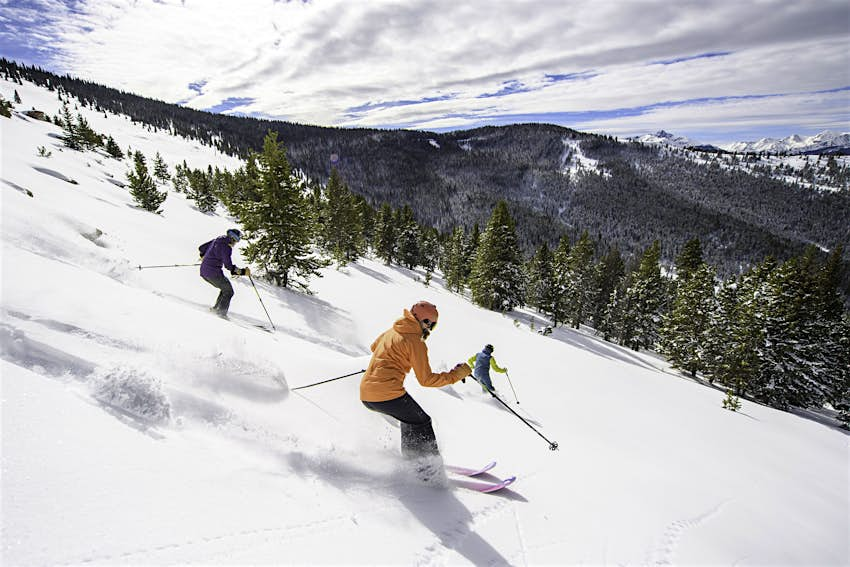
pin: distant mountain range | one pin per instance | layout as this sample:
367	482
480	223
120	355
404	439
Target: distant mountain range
824	143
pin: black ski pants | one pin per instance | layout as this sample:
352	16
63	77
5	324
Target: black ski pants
417	434
222	304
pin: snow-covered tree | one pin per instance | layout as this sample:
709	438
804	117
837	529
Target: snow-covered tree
160	169
540	290
113	149
280	226
608	274
497	275
453	260
407	230
341	232
578	295
647	296
385	235
142	186
684	335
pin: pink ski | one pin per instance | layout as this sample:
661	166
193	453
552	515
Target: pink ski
483	486
465	471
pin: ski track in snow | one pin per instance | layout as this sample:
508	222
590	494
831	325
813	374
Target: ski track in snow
229	542
663	554
454	535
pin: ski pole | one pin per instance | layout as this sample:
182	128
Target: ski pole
326	381
553	445
261	302
168	266
512	386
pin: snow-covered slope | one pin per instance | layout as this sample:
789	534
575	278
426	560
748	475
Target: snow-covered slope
139	429
824	142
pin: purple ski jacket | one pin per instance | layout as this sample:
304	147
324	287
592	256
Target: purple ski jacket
216	253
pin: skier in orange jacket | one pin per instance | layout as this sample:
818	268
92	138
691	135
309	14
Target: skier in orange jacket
394	353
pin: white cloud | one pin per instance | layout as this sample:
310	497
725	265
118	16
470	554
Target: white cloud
313	61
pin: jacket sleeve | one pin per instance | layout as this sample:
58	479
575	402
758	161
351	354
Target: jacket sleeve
471	361
495	366
424	374
204	247
378	340
227	251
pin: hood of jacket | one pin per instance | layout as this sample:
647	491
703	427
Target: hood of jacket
408	325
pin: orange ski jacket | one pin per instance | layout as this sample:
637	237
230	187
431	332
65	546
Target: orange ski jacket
394	353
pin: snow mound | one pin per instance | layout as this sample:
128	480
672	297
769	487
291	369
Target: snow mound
132	391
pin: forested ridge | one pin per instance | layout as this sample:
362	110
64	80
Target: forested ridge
635	195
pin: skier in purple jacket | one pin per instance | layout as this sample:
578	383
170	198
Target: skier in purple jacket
215	254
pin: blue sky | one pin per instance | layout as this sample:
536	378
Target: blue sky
716	71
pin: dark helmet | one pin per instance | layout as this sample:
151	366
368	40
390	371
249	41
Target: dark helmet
234	234
488	348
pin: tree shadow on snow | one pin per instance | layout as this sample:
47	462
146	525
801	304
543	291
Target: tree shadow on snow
17	187
17	348
54	173
370	272
437	509
280	326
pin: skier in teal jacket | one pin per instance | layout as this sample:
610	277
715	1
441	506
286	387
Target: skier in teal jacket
481	364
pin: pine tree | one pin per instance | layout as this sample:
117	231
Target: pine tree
833	327
280	225
429	251
684	335
385	235
720	336
201	189
244	188
142	187
731	402
408	237
113	149
366	219
618	323
579	282
89	139
17	97
647	298
607	276
70	137
787	374
497	278
540	291
453	264
180	180
160	169
341	230
560	282
470	250
5	107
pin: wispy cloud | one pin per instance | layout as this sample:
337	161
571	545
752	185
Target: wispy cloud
370	106
691	58
557	78
612	66
228	105
508	88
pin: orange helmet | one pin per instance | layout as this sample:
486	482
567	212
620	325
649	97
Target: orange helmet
425	312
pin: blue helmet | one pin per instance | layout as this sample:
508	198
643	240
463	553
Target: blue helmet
234	234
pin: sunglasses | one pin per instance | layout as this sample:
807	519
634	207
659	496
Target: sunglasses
429	324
